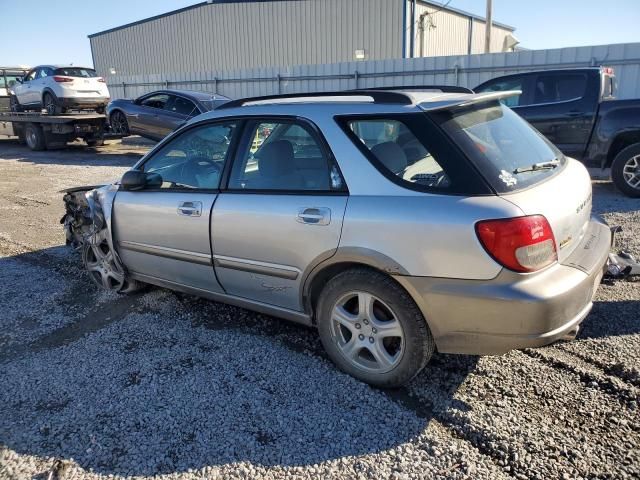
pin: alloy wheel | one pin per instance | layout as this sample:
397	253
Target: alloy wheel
631	172
367	332
102	266
119	124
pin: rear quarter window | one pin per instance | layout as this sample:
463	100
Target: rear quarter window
411	151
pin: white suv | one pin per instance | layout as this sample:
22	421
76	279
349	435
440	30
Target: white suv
58	88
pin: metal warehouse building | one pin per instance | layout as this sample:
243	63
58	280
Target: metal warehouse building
235	34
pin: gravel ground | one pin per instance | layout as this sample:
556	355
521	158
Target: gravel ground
98	385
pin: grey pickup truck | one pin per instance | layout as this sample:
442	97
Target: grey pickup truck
576	110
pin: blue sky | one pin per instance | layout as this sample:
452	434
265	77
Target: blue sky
57	33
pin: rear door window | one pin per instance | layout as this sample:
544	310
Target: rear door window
559	88
284	156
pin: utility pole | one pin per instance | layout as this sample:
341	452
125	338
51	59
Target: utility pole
487	29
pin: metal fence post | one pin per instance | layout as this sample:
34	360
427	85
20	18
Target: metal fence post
279	86
356	75
215	84
124	90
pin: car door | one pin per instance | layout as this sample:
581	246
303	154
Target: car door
560	110
38	85
162	232
23	91
281	213
175	113
145	119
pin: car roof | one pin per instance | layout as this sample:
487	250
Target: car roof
61	66
353	101
193	94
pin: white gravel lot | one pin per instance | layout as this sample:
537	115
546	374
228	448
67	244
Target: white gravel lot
163	384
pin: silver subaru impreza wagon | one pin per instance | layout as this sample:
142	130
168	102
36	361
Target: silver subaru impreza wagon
396	222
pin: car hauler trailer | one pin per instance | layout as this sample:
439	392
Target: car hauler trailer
41	131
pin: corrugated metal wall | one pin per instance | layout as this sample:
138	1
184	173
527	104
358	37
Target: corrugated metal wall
464	70
253	34
447	33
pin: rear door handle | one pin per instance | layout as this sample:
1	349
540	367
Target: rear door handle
314	215
190	209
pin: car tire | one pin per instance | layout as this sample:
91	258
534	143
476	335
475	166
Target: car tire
387	344
118	123
34	136
50	104
625	171
14	105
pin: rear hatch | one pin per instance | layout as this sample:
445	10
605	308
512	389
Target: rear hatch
523	167
84	82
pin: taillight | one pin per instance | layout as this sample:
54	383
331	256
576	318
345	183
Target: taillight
521	244
60	79
101	80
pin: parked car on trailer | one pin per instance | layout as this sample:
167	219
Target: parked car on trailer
576	110
58	88
396	222
156	114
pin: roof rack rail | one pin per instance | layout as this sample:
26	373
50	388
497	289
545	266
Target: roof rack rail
442	88
378	96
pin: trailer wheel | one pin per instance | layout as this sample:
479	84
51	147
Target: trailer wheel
34	137
51	104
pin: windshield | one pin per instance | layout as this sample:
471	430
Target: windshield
509	152
76	72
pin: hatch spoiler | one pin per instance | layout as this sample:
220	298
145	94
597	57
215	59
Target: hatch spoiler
448	101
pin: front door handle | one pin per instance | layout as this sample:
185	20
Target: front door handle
190	209
314	216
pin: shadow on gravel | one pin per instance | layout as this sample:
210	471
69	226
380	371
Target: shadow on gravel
607	199
164	382
611	319
74	154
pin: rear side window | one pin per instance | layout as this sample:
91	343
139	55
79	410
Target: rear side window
155	101
76	72
398	152
182	106
504	147
559	88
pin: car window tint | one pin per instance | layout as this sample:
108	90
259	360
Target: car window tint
45	72
39	73
193	159
283	156
182	106
155	101
516	83
559	88
31	75
398	152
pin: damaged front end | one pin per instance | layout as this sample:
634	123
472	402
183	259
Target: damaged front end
87	226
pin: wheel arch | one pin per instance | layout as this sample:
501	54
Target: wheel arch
620	142
346	258
50	92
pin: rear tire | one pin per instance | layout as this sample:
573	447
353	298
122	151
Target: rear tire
372	329
625	171
51	104
34	137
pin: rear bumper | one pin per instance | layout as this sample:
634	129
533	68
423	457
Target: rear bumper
83	102
514	310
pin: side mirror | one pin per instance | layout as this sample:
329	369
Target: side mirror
136	180
18	80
